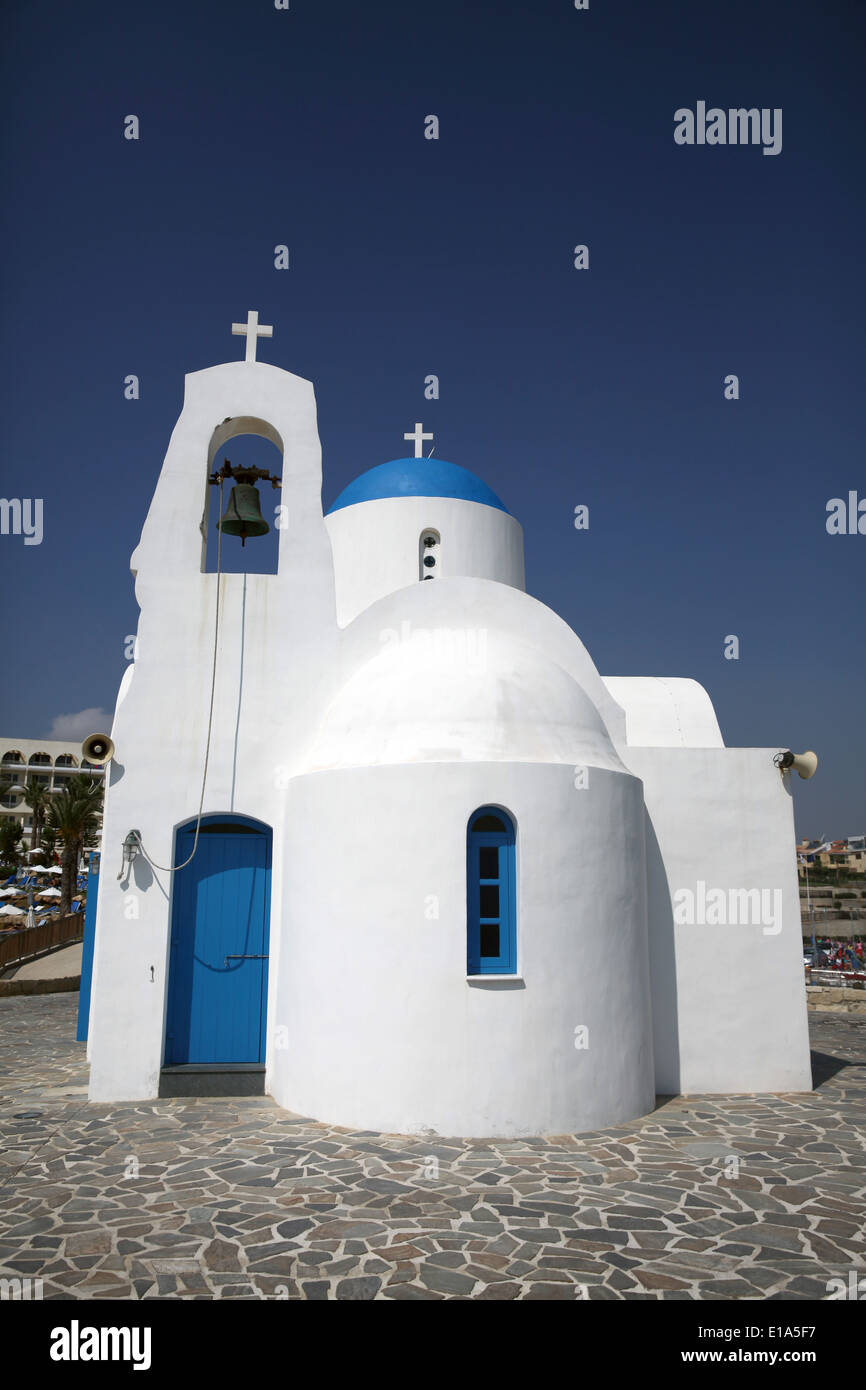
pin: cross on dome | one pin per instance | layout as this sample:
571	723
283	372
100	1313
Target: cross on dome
418	436
252	330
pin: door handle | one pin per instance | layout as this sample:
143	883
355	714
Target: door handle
228	958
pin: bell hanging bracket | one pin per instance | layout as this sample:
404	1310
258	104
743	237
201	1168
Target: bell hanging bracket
243	514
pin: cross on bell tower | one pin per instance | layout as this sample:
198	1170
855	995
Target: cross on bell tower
418	436
252	330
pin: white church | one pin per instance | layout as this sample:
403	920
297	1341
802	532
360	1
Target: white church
390	849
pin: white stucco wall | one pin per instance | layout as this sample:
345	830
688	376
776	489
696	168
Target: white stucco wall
383	1030
729	1002
375	546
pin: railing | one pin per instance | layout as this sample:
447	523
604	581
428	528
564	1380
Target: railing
832	914
835	979
19	946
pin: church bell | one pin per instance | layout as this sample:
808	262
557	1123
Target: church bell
243	514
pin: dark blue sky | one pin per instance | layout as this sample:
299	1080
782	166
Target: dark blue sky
454	257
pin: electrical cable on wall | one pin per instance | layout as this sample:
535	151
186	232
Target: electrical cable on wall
163	868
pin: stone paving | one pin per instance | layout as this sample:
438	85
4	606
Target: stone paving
748	1197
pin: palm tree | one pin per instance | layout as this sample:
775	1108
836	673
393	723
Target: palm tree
10	846
38	798
10	830
47	845
73	816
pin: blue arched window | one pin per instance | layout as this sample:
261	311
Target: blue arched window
491	898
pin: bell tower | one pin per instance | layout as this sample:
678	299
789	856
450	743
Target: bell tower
229	677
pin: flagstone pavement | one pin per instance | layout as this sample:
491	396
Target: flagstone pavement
746	1197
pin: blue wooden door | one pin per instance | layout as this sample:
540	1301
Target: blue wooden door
87	949
218	980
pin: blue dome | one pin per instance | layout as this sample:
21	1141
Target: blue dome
417	478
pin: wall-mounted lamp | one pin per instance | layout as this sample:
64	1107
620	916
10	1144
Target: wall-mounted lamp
131	848
804	764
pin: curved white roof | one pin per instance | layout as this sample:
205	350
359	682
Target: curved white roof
443	694
666	712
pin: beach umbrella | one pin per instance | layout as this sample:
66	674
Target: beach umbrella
9	892
38	869
54	869
49	893
7	910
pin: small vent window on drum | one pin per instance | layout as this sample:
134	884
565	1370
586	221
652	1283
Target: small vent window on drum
429	557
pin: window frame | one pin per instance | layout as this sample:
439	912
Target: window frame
505	963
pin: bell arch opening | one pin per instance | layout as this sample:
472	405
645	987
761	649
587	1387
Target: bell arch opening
249	503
